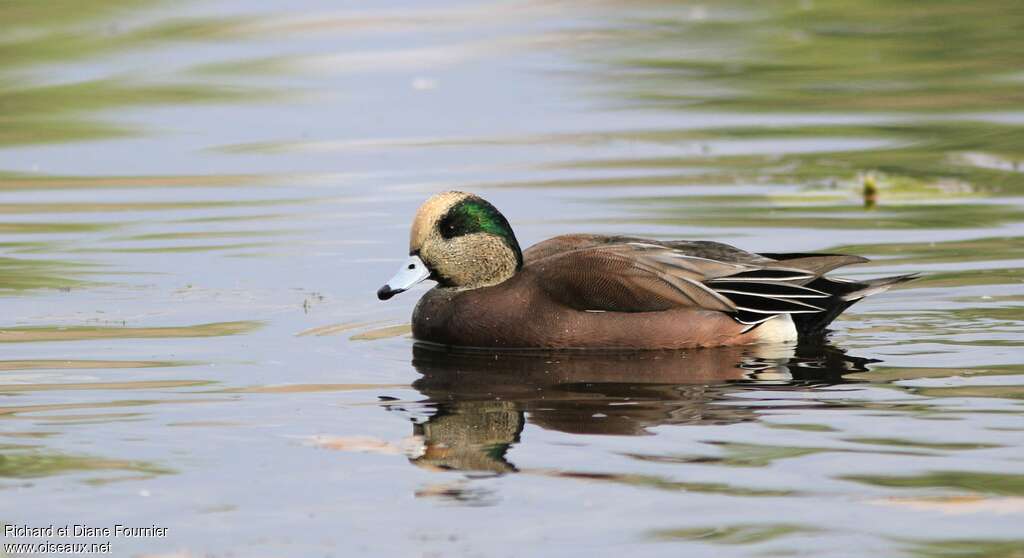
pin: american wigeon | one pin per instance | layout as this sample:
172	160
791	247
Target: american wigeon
591	291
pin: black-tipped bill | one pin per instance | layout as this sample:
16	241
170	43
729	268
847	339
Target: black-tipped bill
412	271
386	292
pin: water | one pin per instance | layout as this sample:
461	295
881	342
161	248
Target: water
198	201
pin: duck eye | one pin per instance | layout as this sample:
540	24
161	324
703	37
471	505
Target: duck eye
412	266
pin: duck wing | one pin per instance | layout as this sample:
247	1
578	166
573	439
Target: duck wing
641	276
819	264
700	248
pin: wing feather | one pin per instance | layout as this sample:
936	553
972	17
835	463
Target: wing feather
634	275
629	278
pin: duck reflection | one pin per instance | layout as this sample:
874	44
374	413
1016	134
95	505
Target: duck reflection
482	399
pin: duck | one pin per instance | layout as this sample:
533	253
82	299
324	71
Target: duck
588	291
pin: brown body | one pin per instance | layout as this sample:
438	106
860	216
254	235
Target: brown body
519	313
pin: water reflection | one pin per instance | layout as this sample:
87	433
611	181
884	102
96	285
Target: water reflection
27	462
481	400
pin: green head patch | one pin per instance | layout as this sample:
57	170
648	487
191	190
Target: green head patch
476	215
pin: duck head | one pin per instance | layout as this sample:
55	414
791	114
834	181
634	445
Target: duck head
459	240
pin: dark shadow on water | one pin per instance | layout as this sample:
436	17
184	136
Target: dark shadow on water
479	401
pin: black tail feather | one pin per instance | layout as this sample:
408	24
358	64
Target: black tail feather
844	293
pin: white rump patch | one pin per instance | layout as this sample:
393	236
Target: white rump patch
776	330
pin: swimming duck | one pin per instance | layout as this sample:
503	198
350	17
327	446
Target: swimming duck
593	291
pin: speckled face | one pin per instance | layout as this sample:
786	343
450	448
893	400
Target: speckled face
459	240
